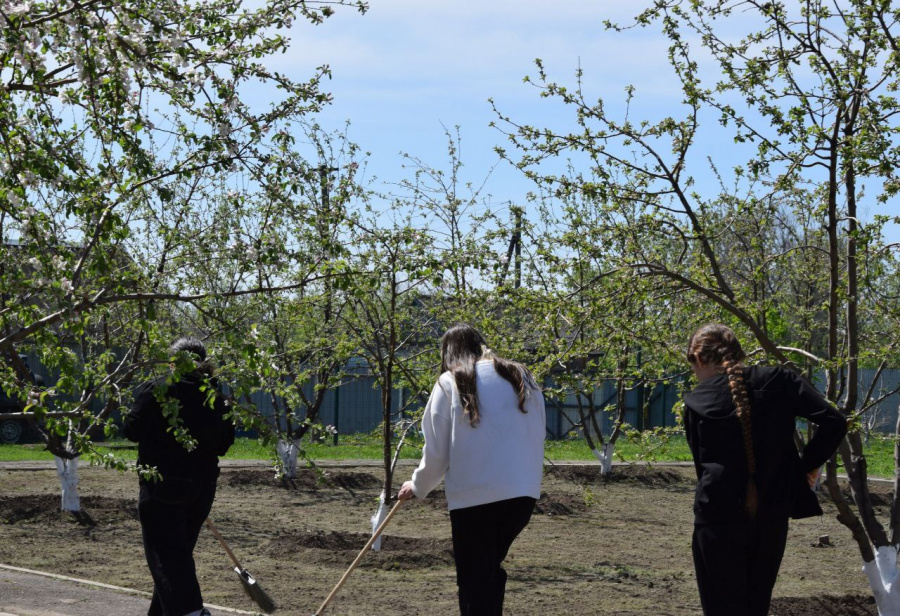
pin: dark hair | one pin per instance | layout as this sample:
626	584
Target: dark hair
195	348
717	345
461	348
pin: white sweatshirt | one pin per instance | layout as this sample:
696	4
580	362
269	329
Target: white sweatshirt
499	458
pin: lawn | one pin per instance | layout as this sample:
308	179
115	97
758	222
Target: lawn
879	450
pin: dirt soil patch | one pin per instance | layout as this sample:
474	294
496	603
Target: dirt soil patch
336	548
617	545
43	509
548	504
305	479
823	606
651	476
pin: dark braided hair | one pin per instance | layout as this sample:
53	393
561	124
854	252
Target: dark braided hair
461	348
716	344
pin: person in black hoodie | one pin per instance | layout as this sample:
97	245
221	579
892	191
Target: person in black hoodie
751	478
181	427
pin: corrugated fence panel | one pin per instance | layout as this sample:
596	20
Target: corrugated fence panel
644	408
885	413
356	405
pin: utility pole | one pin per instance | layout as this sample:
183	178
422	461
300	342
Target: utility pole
324	224
517	236
515	248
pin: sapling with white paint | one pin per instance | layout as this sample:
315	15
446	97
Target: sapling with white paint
288	450
67	472
405	428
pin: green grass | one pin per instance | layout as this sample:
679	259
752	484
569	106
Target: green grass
880	456
879	450
675	448
23	453
349	447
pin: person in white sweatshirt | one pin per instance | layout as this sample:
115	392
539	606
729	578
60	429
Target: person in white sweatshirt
484	428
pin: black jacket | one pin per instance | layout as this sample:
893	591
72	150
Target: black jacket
204	419
777	397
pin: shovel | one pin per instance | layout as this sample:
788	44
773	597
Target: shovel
251	586
358	558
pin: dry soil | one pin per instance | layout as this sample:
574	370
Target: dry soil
618	546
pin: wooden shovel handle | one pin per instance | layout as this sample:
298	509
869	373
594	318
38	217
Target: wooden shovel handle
215	532
359	557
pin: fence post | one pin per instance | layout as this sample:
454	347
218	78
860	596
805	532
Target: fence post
337	412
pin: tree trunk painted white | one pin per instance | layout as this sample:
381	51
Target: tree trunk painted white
882	575
287	455
67	471
377	519
605	455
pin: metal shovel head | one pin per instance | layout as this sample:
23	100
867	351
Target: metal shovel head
255	591
245	576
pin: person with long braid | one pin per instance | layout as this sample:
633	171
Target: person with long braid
751	478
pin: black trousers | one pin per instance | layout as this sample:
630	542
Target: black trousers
172	513
737	565
482	536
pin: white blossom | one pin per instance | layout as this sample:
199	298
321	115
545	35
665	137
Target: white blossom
19	8
27	178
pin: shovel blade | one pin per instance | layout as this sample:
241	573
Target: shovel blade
245	575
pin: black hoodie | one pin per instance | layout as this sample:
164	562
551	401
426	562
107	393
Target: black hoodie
202	412
777	398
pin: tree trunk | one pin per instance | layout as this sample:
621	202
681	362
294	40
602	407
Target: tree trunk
882	575
605	455
378	518
387	432
67	471
287	457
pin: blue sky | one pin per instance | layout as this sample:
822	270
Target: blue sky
408	68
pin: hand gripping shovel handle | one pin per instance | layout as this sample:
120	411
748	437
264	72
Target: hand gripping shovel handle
215	532
359	558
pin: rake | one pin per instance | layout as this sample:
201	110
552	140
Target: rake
362	553
251	586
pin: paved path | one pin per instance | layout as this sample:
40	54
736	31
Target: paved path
24	592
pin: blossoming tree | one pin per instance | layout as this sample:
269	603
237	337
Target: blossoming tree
124	135
778	238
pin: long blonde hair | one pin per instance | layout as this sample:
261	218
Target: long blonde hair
716	344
